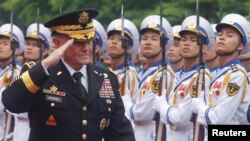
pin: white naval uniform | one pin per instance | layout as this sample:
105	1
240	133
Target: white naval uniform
133	85
4	75
228	98
142	111
21	128
178	113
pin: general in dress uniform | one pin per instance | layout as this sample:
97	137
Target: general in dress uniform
66	97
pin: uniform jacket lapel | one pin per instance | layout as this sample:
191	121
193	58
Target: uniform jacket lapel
95	80
64	80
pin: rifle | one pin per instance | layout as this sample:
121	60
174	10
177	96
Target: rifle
39	43
160	127
9	119
199	129
125	45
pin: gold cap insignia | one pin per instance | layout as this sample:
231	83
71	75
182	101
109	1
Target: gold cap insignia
232	89
118	28
34	32
152	25
230	22
156	86
83	17
103	124
191	25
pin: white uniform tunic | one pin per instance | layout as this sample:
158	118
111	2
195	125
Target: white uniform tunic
142	111
178	113
133	85
21	128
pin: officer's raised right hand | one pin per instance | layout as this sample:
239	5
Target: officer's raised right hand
56	55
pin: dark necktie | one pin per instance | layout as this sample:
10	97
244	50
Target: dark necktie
77	76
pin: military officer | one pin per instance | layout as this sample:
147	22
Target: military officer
9	68
68	98
228	98
176	112
36	48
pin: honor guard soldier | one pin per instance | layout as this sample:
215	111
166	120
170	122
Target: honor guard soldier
228	98
210	56
124	69
66	97
99	43
142	111
174	52
177	112
11	43
36	48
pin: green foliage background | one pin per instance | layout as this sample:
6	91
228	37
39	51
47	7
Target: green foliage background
174	10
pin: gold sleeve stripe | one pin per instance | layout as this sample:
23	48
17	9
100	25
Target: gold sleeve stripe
29	83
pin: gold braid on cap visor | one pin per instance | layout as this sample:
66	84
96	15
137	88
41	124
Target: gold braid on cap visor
75	31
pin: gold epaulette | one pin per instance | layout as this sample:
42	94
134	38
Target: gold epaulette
27	66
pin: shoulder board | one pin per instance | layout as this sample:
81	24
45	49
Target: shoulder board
30	64
27	66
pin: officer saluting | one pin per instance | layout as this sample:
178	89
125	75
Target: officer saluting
60	107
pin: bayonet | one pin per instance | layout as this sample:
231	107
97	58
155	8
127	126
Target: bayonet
39	39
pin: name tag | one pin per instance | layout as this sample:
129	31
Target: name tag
53	98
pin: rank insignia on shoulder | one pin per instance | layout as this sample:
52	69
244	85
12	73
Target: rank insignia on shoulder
156	86
30	64
232	89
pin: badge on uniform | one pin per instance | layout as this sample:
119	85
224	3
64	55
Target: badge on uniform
106	90
51	121
54	91
103	123
156	86
232	89
193	92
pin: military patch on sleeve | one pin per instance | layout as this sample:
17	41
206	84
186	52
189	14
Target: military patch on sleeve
232	89
156	86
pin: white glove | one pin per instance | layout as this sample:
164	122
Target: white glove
127	102
160	102
197	105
